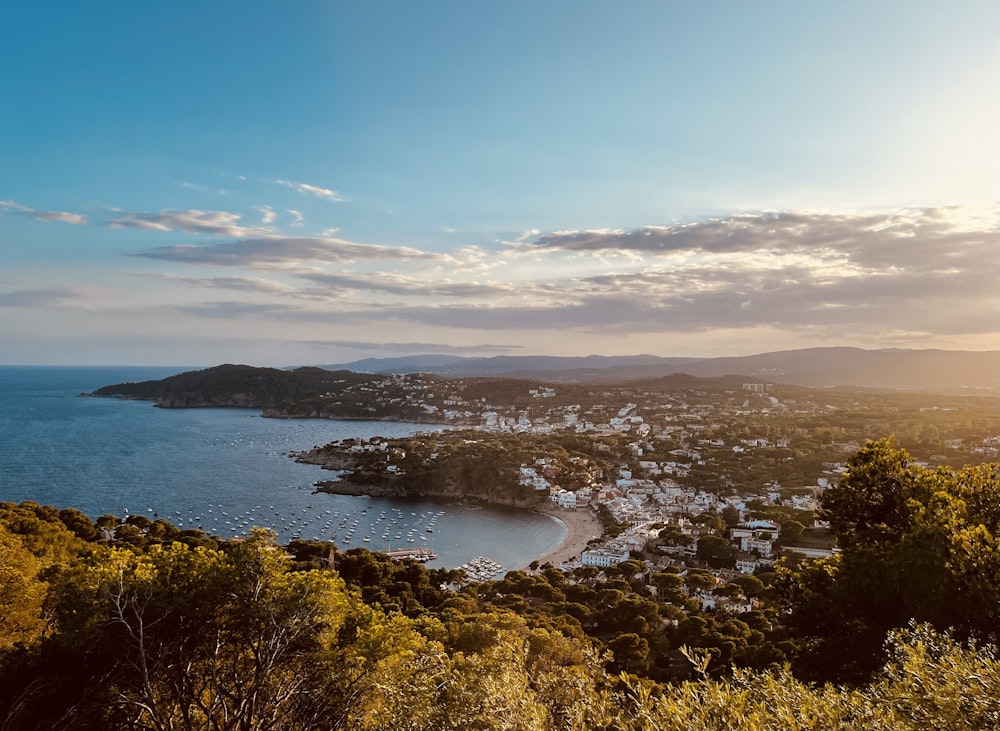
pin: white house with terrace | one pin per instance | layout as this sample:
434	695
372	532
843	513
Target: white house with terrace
603	557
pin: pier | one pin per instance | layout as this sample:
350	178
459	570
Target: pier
417	554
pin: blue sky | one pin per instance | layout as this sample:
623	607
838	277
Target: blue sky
314	182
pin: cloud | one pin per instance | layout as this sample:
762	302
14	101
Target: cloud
799	272
922	275
217	223
406	285
278	250
37	297
239	284
922	238
267	214
298	220
75	219
313	190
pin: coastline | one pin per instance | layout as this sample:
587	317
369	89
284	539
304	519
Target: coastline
581	527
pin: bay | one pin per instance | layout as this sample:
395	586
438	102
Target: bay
224	470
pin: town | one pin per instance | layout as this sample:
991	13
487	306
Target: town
717	474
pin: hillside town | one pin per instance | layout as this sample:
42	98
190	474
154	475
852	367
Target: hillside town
682	471
717	475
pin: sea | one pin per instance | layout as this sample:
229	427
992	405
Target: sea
224	471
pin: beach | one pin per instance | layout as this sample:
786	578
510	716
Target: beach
582	526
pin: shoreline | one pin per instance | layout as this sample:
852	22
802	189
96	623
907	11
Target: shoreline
581	525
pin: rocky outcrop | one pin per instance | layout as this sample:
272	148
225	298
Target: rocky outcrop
501	489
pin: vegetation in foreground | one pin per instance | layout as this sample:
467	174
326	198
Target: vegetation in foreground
164	629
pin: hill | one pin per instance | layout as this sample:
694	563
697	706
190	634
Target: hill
932	370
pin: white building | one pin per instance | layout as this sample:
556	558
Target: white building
760	546
603	557
563	498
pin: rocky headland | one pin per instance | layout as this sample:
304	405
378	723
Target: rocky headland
362	475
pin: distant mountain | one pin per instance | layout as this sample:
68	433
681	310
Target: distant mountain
405	364
935	370
907	369
505	365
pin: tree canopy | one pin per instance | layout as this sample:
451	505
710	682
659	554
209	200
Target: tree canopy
916	544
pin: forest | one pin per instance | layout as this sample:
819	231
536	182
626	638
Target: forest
136	624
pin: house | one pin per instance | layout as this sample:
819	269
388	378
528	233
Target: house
760	546
563	498
711	601
746	563
603	557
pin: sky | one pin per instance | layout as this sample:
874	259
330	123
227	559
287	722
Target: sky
275	183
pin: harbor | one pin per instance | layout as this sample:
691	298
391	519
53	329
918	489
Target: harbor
481	569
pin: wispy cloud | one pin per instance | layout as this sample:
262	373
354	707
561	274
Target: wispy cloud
423	286
240	284
8	206
267	214
279	250
923	239
37	297
217	223
313	190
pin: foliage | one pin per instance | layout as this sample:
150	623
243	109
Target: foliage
159	629
917	544
21	593
716	551
247	637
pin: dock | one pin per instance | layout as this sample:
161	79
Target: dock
417	554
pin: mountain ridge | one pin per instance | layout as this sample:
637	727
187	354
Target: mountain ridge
891	368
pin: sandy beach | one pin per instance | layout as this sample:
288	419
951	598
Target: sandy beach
582	526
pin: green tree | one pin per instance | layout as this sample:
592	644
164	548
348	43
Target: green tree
711	520
751	585
630	652
791	531
700	579
195	638
731	515
716	551
21	594
917	544
673	535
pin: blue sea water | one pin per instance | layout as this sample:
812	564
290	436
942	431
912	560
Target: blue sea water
223	470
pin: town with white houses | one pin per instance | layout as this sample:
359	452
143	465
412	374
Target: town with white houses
720	475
